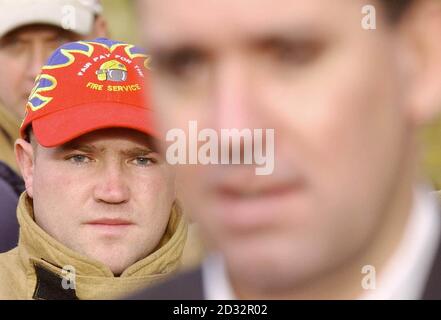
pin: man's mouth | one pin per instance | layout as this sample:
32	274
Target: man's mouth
110	222
249	191
250	206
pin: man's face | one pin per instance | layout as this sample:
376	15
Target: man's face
106	195
22	53
332	92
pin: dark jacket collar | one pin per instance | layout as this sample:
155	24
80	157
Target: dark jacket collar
432	290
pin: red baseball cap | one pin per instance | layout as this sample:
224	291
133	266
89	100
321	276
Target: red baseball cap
87	86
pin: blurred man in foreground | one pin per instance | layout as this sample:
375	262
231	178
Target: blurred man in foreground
343	215
99	216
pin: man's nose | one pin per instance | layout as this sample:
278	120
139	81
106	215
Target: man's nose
112	187
232	99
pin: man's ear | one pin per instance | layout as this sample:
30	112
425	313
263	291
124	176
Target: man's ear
421	29
24	154
100	29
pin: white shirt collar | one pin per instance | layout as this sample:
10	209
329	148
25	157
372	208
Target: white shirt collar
215	280
407	271
404	276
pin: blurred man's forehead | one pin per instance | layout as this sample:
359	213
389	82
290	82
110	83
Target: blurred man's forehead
175	20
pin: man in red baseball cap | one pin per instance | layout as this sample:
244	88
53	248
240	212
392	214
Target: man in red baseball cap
99	216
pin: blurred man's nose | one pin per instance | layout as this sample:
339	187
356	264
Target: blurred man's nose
231	96
112	187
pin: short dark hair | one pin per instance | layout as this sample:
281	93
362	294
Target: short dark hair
28	136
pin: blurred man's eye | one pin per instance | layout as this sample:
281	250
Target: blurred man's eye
182	63
54	44
295	53
60	40
13	46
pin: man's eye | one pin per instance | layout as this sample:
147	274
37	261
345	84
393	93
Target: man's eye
59	40
184	63
79	159
13	47
295	54
143	161
301	55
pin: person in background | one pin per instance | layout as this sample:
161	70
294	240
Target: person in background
29	31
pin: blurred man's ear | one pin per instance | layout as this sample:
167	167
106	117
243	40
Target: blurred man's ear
24	154
100	29
421	29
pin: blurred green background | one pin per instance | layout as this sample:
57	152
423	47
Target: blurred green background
431	160
120	15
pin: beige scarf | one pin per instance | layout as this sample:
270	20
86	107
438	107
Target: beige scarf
94	280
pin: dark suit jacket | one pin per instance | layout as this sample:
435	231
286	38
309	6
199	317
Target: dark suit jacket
184	286
11	186
188	285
